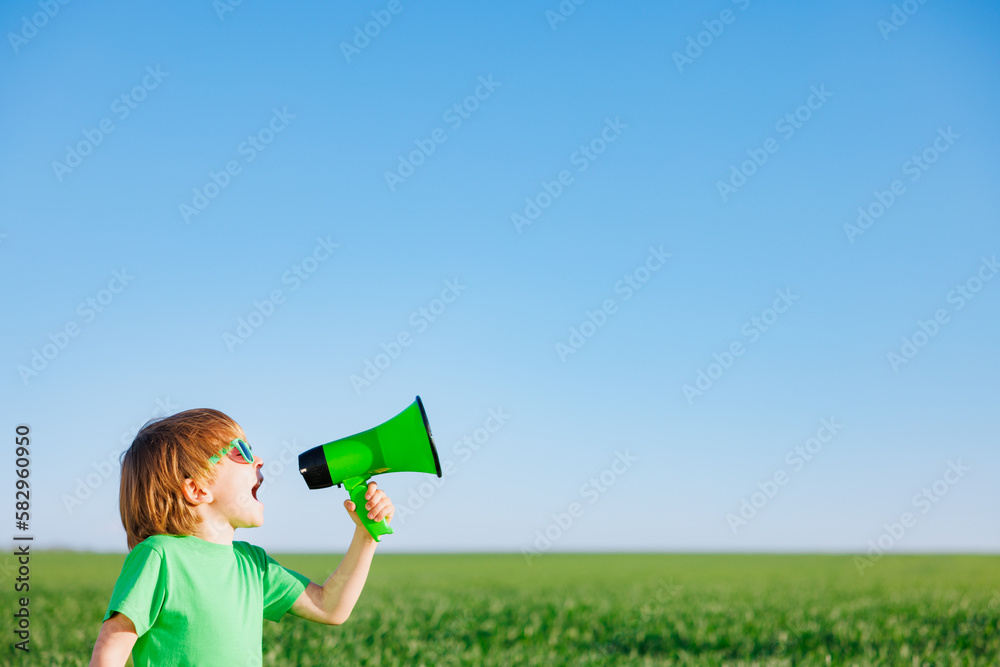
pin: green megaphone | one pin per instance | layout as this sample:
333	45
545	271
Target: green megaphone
402	444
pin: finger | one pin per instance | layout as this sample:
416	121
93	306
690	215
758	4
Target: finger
376	508
372	486
375	499
383	509
349	505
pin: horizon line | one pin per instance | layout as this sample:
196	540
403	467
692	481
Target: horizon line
983	553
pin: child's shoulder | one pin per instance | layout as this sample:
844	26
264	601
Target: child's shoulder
250	551
166	546
160	543
153	544
156	541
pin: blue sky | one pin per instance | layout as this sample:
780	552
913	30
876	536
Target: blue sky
217	160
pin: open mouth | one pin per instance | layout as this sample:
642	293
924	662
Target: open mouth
253	491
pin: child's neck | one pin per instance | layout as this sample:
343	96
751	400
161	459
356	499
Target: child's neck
215	529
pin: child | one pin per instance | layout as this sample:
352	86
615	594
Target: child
188	594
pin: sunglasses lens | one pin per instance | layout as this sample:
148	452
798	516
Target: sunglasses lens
240	452
245	450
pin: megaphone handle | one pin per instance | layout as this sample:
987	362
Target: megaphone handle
357	487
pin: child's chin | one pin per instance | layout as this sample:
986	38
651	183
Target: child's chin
254	519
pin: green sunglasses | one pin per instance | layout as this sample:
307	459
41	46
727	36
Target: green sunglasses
238	443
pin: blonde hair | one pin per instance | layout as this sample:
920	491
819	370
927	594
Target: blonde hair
163	454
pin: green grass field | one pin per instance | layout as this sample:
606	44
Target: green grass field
589	610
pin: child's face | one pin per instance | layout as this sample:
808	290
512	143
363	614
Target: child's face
235	491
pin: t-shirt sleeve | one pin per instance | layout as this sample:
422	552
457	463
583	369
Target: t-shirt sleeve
282	587
140	588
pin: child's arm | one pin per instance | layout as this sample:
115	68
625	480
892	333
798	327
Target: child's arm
333	602
115	642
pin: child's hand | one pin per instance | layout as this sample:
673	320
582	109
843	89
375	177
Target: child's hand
377	505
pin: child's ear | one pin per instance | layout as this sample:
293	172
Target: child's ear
194	493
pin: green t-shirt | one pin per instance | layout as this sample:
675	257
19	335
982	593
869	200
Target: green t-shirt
199	603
